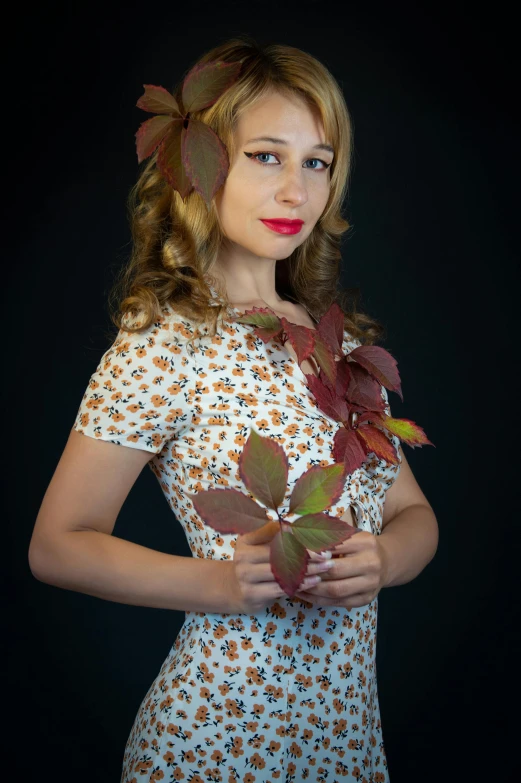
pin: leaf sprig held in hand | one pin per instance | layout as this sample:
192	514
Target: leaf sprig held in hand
348	388
191	156
263	468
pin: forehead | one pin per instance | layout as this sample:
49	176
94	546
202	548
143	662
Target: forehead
280	114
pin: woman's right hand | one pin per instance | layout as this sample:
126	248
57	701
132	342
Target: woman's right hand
252	584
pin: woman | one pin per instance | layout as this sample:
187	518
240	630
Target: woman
257	686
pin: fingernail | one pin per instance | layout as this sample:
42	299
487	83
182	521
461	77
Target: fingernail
326	565
326	554
311	580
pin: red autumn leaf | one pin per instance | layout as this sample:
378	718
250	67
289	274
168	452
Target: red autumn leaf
288	560
263	468
317	489
301	338
364	390
324	380
228	510
325	358
206	82
381	364
374	440
327	401
362	415
205	159
169	160
348	449
318	532
158	100
343	377
151	133
331	328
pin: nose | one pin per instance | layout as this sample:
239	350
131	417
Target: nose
292	186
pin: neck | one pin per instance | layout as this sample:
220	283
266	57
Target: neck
247	280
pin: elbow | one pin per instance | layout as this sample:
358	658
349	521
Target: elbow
435	538
39	563
35	564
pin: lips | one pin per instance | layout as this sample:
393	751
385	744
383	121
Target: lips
284	226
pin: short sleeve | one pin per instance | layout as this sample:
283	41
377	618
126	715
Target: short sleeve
135	397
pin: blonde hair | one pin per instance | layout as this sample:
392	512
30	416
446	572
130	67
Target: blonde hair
175	242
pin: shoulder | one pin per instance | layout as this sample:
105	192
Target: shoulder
169	326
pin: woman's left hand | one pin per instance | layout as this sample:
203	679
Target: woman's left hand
355	579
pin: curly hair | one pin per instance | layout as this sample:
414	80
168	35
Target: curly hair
175	241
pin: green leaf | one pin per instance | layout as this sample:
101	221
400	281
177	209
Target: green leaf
319	532
206	82
288	561
169	160
263	468
151	133
317	489
267	324
228	510
262	317
407	430
205	159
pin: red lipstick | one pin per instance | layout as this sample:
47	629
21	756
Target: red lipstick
283	225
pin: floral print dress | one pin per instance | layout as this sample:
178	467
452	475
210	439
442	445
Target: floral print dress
287	694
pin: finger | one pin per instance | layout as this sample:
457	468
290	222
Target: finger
303	595
326	554
255	554
308	583
338	591
319	568
354	542
261	572
271	591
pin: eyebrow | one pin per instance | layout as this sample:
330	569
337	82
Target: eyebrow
271	140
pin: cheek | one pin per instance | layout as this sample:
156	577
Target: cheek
242	196
321	197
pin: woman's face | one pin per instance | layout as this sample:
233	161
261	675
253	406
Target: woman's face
289	178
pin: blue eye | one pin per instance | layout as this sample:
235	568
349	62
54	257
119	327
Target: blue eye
255	156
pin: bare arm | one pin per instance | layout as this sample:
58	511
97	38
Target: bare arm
409	538
117	570
409	542
73	547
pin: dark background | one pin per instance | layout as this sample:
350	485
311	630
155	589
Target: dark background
433	194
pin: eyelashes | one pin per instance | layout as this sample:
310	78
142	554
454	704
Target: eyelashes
255	155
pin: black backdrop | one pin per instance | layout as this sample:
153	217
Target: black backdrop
432	200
